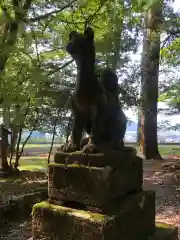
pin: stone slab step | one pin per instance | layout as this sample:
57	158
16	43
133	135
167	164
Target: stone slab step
161	233
132	218
112	158
164	232
95	186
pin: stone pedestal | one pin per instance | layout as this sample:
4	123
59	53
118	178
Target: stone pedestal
98	197
93	185
128	218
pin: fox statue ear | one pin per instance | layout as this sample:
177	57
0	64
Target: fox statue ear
88	32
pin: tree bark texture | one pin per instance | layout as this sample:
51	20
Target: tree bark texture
149	82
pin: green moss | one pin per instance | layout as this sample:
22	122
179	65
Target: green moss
164	225
74	165
66	165
60	210
79	153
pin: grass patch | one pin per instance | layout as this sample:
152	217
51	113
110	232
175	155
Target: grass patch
36	146
166	150
32	163
39	145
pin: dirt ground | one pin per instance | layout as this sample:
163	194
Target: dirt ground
161	176
27	182
164	178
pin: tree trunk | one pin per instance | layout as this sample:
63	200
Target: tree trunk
69	128
149	81
53	138
7	42
4	148
14	138
14	131
138	130
138	137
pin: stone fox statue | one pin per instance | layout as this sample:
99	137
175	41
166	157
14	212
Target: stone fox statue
95	103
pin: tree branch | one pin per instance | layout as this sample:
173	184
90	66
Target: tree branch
53	138
170	34
90	18
61	67
41	17
28	137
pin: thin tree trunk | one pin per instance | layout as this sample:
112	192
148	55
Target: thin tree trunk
21	125
138	130
14	138
138	139
149	81
52	142
54	133
17	149
25	142
4	141
14	132
4	149
69	128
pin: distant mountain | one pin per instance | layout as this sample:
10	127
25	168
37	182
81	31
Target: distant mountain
35	134
132	126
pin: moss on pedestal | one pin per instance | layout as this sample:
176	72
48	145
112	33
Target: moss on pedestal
130	218
164	232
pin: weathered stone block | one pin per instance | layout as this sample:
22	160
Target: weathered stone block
112	158
130	218
95	186
164	232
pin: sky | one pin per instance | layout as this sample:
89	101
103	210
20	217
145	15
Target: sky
176	5
161	117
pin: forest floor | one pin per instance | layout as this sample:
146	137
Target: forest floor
161	176
164	178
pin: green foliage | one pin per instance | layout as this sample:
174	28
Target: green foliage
33	77
172	52
37	75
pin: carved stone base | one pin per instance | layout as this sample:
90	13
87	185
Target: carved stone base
112	158
128	219
164	232
94	186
